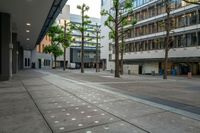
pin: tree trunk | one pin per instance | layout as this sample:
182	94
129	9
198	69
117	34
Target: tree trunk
122	52
64	62
97	54
117	41
122	60
82	44
82	54
55	61
167	28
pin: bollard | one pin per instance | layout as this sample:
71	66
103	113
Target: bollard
189	75
153	73
129	72
111	71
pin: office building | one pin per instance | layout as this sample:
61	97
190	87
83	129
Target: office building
144	48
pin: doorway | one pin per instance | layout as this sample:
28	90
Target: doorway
39	63
140	69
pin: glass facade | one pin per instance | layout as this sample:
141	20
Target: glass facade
181	20
138	3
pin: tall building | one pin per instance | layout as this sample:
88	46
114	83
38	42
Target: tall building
105	41
73	59
144	43
37	57
89	46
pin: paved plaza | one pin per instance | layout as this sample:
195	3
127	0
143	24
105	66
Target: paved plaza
53	101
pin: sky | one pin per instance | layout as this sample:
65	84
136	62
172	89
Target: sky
94	11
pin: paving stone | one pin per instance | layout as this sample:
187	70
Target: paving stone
117	127
10	97
78	117
23	123
167	123
34	81
128	109
17	107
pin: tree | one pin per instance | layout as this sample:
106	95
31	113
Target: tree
83	27
168	28
55	50
197	2
65	38
114	20
54	32
97	31
123	33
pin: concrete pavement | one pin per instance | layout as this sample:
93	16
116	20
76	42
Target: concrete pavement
181	93
52	102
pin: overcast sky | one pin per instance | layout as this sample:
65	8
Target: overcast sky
94	5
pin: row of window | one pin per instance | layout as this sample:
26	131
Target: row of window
27	62
179	41
156	9
184	20
47	62
138	3
87	54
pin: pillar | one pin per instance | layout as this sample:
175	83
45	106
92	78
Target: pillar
20	57
14	53
5	47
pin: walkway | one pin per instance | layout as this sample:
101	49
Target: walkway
43	102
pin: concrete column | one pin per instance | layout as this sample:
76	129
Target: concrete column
5	47
198	16
14	53
20	58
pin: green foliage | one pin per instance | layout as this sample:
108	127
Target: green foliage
134	21
66	38
85	19
58	36
82	28
128	4
54	30
53	49
112	35
123	19
117	17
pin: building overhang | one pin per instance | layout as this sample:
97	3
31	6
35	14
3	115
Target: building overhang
30	19
56	8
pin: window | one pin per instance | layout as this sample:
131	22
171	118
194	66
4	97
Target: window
199	16
183	41
26	62
198	38
179	41
103	2
178	3
191	18
193	39
46	62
